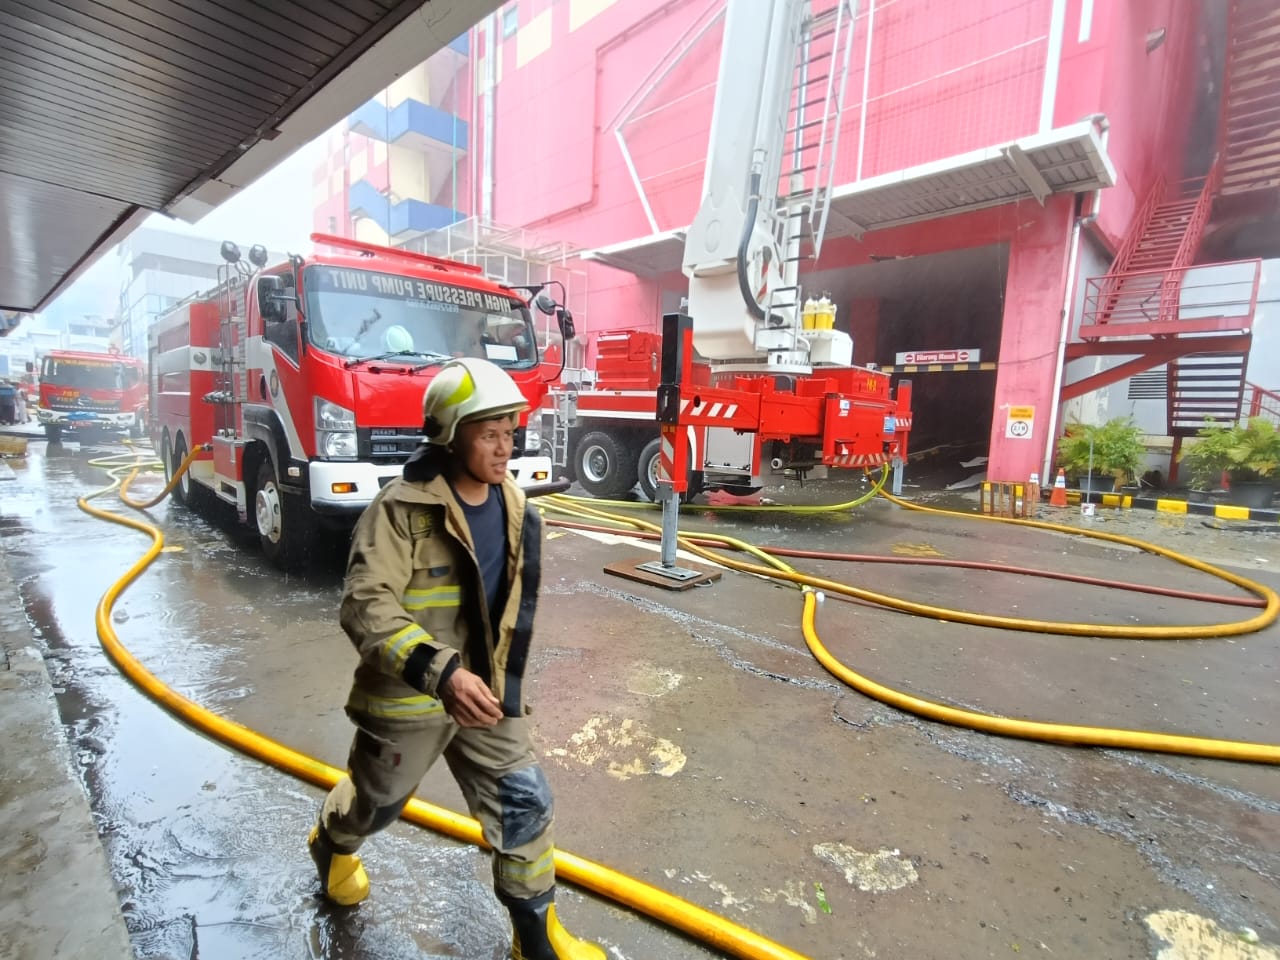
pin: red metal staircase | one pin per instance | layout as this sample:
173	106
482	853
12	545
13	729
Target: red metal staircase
1249	127
1151	306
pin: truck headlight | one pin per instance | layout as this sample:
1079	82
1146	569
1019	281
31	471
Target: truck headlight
533	437
335	431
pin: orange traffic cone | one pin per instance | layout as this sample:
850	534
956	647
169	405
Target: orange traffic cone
1059	496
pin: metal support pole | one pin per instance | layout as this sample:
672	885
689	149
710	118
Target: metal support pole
899	471
670	525
677	357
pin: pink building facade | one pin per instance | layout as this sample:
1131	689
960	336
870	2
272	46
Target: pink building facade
992	156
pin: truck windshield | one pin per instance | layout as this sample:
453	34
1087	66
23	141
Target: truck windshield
365	314
102	374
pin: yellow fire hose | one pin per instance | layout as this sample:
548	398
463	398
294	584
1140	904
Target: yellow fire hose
711	929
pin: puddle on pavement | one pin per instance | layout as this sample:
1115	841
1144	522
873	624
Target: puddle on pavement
208	847
209	851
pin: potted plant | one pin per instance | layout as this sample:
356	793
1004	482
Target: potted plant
1249	454
1098	455
1206	460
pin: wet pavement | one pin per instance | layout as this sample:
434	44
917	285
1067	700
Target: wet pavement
693	741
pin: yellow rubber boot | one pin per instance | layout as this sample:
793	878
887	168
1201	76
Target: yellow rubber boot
341	874
538	935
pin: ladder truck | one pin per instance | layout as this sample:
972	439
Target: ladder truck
742	363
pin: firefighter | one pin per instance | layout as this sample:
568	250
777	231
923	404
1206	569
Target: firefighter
439	599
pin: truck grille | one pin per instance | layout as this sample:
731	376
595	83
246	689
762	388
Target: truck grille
395	444
83	403
387	444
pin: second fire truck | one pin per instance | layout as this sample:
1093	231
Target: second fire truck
82	393
306	379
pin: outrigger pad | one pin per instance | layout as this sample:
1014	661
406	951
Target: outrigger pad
669	578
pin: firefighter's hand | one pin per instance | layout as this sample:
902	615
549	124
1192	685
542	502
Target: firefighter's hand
469	700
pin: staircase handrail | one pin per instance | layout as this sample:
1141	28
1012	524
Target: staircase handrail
1190	244
1263	403
1116	298
1138	225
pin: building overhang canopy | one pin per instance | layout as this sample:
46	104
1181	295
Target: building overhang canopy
646	257
114	109
1066	160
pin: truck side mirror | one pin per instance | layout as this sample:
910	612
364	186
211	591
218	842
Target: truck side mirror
271	298
565	321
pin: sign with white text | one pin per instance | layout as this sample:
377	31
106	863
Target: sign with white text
962	355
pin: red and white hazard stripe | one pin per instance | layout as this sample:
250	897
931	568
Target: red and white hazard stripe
860	460
714	411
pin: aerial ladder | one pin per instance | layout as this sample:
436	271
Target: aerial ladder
787	393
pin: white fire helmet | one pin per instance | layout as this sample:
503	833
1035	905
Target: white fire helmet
467	389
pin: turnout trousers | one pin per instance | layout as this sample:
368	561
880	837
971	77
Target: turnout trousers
495	767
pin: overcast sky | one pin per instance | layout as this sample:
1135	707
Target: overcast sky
274	211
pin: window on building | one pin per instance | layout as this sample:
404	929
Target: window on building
510	20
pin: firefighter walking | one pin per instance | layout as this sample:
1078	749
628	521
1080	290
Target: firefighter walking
439	600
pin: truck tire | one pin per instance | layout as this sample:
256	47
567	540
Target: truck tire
286	528
648	470
605	465
172	458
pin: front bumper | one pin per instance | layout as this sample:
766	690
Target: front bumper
362	481
95	418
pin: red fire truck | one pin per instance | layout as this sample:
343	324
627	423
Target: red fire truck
306	378
600	426
85	392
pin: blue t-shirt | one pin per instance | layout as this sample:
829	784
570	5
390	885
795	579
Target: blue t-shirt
488	523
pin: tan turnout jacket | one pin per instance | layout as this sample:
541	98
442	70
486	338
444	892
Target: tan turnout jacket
413	600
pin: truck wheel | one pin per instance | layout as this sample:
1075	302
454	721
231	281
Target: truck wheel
172	461
285	526
605	466
650	456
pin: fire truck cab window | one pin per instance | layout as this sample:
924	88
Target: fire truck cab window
360	313
284	334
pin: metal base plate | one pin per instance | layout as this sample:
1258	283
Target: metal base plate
655	574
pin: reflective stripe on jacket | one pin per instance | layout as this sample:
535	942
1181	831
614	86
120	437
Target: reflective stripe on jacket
413	599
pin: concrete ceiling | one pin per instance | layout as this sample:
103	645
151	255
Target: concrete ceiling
114	109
